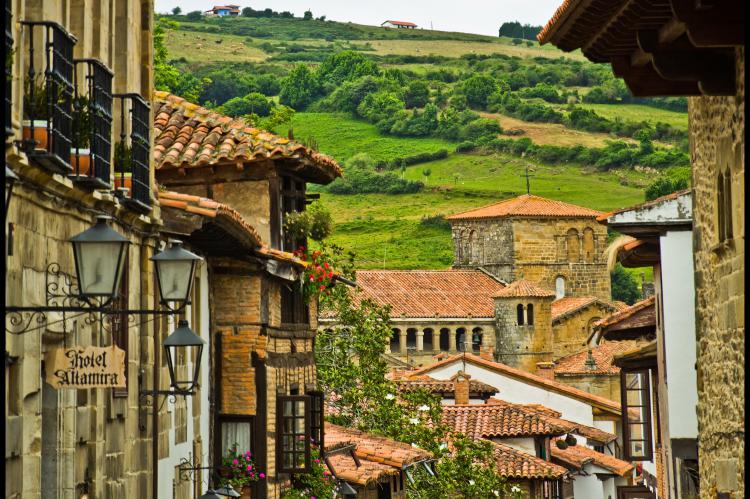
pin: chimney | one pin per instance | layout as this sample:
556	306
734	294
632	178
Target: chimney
546	370
590	362
461	384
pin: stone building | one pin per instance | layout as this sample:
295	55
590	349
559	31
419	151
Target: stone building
695	50
65	442
261	327
553	244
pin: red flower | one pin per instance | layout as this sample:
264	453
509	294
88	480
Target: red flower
322	287
326	265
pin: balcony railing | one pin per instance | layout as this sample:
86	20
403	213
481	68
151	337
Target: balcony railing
48	95
92	125
132	153
8	68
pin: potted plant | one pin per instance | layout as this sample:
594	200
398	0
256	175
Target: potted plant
80	154
123	163
35	112
238	469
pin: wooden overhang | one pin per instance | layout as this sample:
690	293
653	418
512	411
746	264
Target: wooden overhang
658	47
640	253
640	357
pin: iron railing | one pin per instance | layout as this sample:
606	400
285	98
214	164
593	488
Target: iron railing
132	152
92	125
8	68
48	96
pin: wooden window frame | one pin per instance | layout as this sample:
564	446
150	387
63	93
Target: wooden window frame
280	434
232	418
317	414
294	309
530	314
292	198
647	421
520	315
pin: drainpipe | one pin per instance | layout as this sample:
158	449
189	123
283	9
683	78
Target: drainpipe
154	413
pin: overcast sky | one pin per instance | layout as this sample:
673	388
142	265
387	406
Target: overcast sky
469	16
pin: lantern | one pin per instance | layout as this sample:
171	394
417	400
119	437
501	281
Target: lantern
175	268
177	344
99	254
227	491
210	494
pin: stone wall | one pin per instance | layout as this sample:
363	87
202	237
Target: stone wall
484	243
717	142
522	346
571	332
607	386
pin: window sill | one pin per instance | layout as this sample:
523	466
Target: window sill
724	247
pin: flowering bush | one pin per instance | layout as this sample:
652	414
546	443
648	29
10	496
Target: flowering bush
317	484
318	276
240	467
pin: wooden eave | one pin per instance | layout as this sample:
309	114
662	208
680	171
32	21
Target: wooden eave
659	47
640	253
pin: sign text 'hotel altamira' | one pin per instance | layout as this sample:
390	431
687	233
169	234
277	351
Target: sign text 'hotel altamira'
89	367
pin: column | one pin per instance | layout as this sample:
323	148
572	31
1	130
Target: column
402	341
420	341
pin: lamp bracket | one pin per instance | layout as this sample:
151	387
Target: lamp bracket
62	296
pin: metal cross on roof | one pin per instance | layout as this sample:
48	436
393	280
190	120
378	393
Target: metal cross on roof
528	185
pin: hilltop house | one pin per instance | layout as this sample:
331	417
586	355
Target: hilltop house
222	172
697	50
224	10
398	24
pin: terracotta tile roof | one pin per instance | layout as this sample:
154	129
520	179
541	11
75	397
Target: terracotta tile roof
500	419
513	463
189	136
560	15
641	351
444	386
368	472
375	448
555	386
523	288
577	456
400	23
283	256
527	205
209	208
603	355
430	293
562	307
603	218
638	315
588	432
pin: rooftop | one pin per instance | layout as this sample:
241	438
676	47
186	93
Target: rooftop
374	448
575	364
637	320
443	386
368	472
527	205
523	288
430	293
567	305
513	463
188	136
499	419
578	456
401	23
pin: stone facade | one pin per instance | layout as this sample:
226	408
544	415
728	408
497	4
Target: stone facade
522	342
607	386
571	331
537	249
717	143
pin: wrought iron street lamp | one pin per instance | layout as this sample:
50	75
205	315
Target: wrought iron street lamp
227	491
210	494
10	179
175	268
176	345
99	255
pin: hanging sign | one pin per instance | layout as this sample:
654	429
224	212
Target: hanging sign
85	367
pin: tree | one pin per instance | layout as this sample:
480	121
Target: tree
426	173
308	15
343	66
624	286
176	11
194	15
299	88
665	185
279	115
478	88
417	94
252	103
248	12
168	77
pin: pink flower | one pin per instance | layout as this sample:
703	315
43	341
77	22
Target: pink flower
317	461
262	475
312	278
235	462
249	467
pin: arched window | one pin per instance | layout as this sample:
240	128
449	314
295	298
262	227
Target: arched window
589	248
724	201
460	339
559	287
476	339
427	339
445	339
473	247
411	338
574	250
519	314
530	314
395	339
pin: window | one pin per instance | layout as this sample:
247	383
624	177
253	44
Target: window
519	314
573	246
235	431
294	310
530	314
411	339
316	418
120	324
292	198
427	341
460	339
445	339
395	340
559	287
636	414
293	433
476	339
724	202
589	247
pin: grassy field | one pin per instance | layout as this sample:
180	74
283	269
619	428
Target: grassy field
205	46
342	137
456	48
550	133
638	112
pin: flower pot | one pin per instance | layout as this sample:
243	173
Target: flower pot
128	183
82	162
41	135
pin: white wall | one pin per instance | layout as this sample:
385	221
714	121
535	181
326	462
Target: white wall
678	299
523	444
184	450
521	392
588	487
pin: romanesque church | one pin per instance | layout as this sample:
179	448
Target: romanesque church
528	282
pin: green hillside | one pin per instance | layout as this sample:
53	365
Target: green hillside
405	97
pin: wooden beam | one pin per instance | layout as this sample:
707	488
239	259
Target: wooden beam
718	24
644	81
